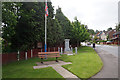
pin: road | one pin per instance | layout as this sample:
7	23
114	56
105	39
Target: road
108	49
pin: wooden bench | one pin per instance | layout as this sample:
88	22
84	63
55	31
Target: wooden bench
48	55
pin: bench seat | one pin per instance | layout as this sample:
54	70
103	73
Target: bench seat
48	55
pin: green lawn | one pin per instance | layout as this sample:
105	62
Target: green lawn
24	69
85	64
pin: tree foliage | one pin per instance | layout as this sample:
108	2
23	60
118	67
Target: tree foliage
80	32
109	29
24	24
64	23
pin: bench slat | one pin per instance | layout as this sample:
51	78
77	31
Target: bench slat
48	52
49	56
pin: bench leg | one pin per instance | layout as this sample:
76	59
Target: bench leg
56	59
42	60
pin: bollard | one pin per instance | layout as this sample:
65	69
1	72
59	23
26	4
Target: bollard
71	49
76	50
48	49
31	53
54	49
58	49
18	56
61	50
26	55
41	50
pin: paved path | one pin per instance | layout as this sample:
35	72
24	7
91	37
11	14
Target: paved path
110	67
57	66
63	72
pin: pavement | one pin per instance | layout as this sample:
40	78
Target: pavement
57	66
110	64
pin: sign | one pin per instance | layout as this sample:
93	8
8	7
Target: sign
39	45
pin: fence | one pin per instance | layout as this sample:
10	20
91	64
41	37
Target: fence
12	57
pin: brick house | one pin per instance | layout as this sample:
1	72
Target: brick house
110	34
116	38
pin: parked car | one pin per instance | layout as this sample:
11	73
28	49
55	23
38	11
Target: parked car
88	43
109	42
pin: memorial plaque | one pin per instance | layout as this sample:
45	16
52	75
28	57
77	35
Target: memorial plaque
39	45
67	48
67	45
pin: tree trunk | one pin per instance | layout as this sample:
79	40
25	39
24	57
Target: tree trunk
77	43
80	43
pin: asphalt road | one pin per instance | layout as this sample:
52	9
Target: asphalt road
109	49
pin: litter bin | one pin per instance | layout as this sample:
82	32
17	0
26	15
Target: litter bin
93	45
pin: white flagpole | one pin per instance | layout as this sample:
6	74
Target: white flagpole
45	28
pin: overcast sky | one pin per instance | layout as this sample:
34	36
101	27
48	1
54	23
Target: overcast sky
97	14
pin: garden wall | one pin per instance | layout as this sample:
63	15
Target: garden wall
12	57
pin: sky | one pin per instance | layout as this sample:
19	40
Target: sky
96	14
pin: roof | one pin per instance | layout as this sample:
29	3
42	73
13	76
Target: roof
100	33
97	33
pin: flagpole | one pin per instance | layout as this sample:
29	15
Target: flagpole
45	29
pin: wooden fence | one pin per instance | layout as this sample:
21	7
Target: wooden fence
12	57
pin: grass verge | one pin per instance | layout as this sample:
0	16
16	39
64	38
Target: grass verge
85	64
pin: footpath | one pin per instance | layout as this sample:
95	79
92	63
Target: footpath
57	66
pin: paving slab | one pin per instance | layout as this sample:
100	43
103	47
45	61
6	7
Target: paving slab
63	72
50	64
57	66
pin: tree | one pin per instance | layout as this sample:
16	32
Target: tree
27	25
95	39
109	29
32	22
80	32
91	31
64	23
55	33
118	27
9	19
96	31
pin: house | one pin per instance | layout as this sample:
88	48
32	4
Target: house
110	34
116	38
99	35
103	35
